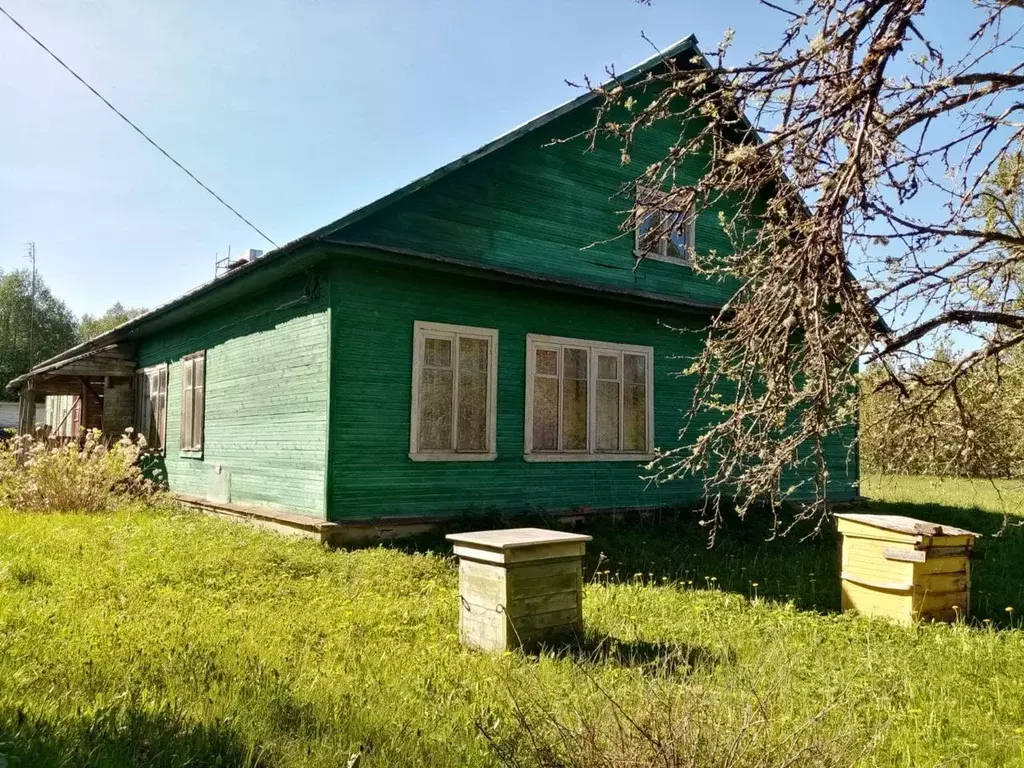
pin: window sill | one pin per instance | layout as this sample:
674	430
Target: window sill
190	454
620	457
453	456
688	263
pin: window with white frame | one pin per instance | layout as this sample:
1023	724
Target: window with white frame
588	400
151	405
454	393
193	402
665	228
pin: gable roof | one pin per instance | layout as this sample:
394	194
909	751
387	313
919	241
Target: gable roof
131	329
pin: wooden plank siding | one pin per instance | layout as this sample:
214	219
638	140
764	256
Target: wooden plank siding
534	207
266	399
375	305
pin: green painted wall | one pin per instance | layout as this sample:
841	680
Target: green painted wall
535	208
266	397
374	307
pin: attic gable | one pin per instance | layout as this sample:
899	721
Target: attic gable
530	204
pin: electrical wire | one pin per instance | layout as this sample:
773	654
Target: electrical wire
138	130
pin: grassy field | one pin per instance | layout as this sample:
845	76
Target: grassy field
157	638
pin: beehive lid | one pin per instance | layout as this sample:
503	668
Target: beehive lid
908	525
516	538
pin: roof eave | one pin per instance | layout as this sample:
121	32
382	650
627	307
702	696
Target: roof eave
123	332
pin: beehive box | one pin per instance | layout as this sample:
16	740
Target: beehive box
519	587
905	569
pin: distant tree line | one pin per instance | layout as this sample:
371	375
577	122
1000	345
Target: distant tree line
973	429
33	330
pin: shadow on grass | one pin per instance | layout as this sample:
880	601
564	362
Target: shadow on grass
672	546
121	736
650	658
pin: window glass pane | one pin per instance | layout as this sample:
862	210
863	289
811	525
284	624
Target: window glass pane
574	399
141	404
437	353
649	230
607	415
472	424
198	402
545	414
547	362
634	405
678	241
634	368
186	404
435	427
153	410
161	420
608	367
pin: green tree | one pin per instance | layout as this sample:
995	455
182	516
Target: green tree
113	317
30	331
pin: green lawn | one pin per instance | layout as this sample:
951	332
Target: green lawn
158	638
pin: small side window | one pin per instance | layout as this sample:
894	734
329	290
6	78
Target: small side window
151	406
193	402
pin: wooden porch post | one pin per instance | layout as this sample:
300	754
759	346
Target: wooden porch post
27	408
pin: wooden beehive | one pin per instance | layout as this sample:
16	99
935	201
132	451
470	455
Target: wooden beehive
905	569
519	587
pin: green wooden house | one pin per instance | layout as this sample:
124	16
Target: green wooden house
454	347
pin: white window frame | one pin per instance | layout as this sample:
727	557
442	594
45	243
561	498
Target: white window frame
533	341
661	253
143	403
423	330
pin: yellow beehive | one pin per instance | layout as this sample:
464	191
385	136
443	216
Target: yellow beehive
905	569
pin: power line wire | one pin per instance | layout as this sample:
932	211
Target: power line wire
138	130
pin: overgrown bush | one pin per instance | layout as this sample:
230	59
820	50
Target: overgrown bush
39	475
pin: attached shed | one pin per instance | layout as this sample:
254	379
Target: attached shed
97	385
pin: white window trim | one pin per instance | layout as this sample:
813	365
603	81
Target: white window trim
662	253
422	329
138	421
591	454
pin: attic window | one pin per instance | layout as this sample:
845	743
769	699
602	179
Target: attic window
665	230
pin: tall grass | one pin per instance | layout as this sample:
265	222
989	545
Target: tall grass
165	638
86	475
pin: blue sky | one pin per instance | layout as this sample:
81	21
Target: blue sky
295	111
